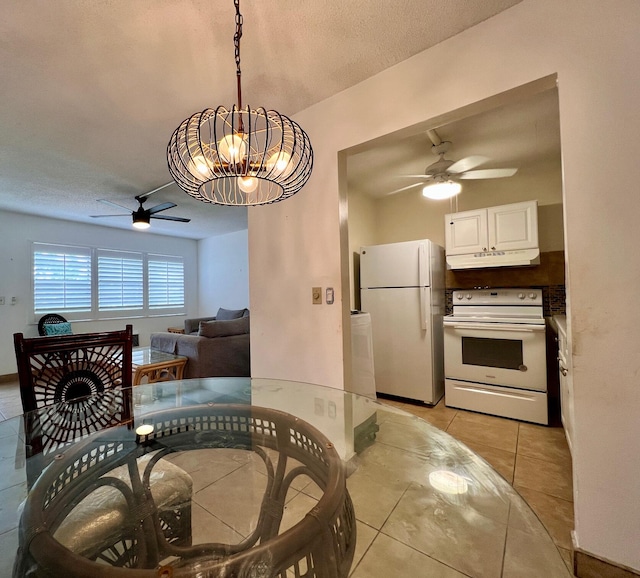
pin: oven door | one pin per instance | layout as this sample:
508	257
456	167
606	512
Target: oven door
508	354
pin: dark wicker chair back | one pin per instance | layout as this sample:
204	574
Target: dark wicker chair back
78	383
49	319
77	386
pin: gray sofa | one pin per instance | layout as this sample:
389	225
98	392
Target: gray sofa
215	346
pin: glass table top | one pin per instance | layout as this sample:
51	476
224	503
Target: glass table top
423	503
148	356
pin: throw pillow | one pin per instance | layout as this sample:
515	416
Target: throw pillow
224	328
226	314
57	329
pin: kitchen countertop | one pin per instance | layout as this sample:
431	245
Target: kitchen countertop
559	323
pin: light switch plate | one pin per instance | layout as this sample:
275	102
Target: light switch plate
329	296
316	295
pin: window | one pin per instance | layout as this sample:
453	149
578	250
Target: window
166	282
61	279
91	283
120	282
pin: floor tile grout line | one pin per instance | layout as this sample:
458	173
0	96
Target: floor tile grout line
543	493
461	572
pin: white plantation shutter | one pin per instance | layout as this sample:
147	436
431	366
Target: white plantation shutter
61	279
166	282
120	281
85	283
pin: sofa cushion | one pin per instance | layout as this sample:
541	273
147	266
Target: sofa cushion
226	314
223	328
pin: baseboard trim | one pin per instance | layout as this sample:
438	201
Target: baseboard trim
8	378
587	565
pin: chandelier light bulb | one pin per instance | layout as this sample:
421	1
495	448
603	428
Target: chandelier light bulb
199	164
232	149
248	184
279	162
441	190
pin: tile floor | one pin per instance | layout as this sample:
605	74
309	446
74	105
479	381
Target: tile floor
535	460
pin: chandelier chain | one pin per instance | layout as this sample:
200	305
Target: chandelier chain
236	43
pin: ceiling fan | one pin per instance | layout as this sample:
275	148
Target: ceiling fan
142	216
441	177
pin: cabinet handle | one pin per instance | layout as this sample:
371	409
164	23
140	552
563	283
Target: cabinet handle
484	248
493	248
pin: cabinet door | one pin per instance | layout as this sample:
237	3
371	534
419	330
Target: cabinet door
466	232
513	226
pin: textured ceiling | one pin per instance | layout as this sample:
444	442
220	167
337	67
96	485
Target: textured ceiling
524	134
93	89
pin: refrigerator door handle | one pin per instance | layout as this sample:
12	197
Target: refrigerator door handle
422	265
423	308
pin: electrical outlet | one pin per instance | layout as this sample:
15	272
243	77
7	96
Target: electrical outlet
316	295
2	300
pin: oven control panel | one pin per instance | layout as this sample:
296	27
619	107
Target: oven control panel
498	296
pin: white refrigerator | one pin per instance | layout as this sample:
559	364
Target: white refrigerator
402	288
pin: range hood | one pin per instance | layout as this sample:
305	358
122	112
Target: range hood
515	258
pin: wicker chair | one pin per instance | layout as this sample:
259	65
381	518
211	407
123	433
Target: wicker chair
320	545
73	386
49	319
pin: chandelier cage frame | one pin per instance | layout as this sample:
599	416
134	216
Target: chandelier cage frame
240	156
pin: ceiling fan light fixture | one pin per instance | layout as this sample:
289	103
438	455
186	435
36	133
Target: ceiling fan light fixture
141	219
239	156
141	225
441	190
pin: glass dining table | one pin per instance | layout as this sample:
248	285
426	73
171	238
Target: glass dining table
255	478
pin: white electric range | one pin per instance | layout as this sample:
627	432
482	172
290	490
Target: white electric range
495	353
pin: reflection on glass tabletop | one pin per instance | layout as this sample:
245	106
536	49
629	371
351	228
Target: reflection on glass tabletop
254	470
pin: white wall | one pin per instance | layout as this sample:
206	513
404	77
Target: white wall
593	47
18	231
223	263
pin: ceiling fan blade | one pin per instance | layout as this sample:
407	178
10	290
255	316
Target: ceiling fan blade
405	188
467	163
417	176
170	218
145	195
101	216
161	207
488	174
106	202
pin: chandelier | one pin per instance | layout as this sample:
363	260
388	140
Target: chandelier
239	156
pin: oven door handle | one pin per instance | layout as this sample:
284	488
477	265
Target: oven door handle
496	326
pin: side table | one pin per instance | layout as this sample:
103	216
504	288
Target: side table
156	365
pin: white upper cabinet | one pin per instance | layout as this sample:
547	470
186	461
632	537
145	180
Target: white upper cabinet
504	228
513	226
466	232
